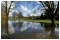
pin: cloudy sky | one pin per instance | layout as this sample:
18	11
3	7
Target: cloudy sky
26	7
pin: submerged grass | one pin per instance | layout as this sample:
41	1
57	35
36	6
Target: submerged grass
34	20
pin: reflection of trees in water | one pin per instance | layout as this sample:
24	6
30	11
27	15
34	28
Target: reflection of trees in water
40	35
13	23
19	24
42	24
52	34
34	34
57	25
52	29
4	27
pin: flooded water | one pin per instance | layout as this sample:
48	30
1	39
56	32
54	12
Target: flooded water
18	29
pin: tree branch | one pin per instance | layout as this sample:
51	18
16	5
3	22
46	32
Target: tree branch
57	10
9	7
6	7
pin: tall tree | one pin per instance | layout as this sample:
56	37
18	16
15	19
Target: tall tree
19	14
14	14
52	8
7	9
7	20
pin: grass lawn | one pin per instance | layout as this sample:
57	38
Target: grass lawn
34	20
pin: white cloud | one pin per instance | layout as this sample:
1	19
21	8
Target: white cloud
34	9
31	25
31	14
29	11
38	2
25	15
10	13
13	5
23	7
10	28
23	28
35	14
8	3
3	3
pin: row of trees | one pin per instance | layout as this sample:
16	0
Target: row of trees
42	16
17	15
48	16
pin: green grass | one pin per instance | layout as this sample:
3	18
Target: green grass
34	20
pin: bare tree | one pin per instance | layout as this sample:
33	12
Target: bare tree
14	14
6	13
52	8
19	14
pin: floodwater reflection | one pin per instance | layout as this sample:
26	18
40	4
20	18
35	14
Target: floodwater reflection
19	29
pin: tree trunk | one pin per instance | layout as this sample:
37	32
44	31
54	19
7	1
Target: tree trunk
7	31
53	21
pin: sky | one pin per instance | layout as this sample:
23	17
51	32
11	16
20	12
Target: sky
26	7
